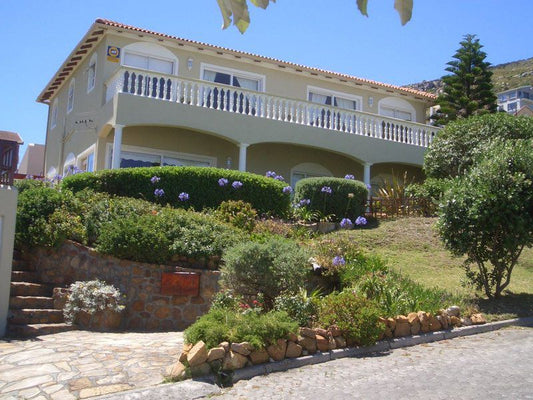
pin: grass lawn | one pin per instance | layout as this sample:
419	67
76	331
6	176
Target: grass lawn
411	246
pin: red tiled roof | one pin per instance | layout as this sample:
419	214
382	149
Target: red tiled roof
11	137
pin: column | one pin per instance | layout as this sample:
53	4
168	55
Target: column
117	144
242	156
366	174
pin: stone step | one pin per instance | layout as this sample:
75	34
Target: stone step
29	316
19	302
20	265
22	331
30	289
24	276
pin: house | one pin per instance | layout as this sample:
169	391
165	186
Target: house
514	100
9	156
128	97
32	163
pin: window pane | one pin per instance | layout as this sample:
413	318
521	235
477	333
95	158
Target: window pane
403	115
163	66
90	163
183	162
91	77
388	112
345	103
246	83
319	98
136	60
130	159
209	75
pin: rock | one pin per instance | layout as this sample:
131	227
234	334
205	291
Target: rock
177	371
402	329
307	332
201	370
388	333
412	317
478	319
198	354
186	348
455	321
293	350
466	321
340	341
308	344
401	319
321	332
332	343
225	346
322	343
233	361
259	356
415	328
391	323
216	353
293	337
277	351
183	357
434	323
243	348
335	331
424	321
454	311
444	319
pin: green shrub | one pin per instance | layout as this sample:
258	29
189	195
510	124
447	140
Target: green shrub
220	325
346	200
238	213
268	268
356	317
201	184
35	206
487	215
25	184
298	306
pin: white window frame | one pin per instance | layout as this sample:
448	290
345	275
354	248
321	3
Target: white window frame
91	83
70	95
85	155
161	153
327	92
234	72
394	103
69	160
53	114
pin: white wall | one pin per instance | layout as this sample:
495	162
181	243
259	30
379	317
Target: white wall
8	211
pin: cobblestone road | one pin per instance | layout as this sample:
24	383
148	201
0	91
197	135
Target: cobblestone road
80	364
495	365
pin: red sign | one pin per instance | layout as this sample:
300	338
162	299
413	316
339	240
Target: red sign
180	283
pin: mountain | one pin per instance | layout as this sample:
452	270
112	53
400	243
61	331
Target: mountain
504	76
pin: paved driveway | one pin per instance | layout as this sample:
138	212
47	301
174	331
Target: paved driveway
495	365
80	364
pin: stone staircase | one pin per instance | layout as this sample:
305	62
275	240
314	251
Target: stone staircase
31	305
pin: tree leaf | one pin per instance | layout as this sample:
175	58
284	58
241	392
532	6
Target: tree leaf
361	5
262	3
239	10
405	9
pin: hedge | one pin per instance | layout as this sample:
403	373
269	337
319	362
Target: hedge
200	183
339	202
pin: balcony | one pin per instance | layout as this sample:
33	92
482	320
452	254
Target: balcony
236	100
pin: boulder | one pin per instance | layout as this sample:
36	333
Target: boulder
478	319
184	351
401	319
233	361
201	370
454	311
388	333
259	356
216	353
198	354
243	348
335	331
412	317
321	332
444	320
415	328
177	371
434	323
455	321
391	323
308	344
332	343
307	332
322	343
277	351
225	346
424	321
293	337
293	350
466	321
340	341
402	329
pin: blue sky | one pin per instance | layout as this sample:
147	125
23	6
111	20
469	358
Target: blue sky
38	35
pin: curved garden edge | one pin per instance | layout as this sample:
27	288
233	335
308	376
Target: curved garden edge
380	347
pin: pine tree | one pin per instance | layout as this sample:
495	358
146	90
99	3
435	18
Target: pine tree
468	90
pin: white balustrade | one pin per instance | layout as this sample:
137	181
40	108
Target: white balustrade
240	101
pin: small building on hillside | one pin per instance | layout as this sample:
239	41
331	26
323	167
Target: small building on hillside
9	156
32	163
514	100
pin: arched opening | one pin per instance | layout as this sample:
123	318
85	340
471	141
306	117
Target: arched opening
397	108
150	57
307	170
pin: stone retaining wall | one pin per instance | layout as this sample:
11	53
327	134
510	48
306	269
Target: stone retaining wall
146	307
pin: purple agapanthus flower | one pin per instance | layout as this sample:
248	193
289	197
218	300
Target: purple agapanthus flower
236	184
360	221
183	196
349	176
222	182
346	223
287	190
159	192
368	186
271	174
304	202
326	189
155	179
338	260
279	178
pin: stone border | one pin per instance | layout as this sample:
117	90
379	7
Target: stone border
185	390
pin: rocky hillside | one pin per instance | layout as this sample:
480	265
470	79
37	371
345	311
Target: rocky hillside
505	76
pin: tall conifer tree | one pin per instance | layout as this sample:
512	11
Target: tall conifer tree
468	90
